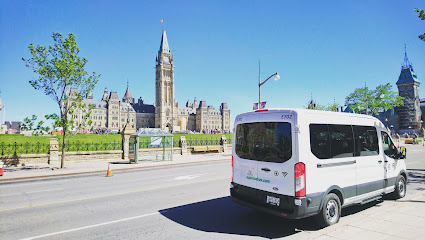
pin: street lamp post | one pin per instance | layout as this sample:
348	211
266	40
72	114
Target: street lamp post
276	77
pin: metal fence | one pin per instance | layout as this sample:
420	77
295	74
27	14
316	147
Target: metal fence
102	146
43	148
24	148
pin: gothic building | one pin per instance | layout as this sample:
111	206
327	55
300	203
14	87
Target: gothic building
166	113
108	113
111	113
409	115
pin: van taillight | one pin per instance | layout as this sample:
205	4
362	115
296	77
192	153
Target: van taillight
300	179
232	168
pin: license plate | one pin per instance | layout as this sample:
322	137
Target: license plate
273	200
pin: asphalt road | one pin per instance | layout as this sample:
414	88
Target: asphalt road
190	201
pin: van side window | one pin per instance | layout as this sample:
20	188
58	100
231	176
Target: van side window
331	141
388	146
366	141
319	141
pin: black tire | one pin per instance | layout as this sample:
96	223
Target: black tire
400	188
330	212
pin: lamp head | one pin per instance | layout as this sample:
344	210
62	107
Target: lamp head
276	77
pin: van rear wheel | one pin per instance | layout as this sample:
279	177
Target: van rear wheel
330	212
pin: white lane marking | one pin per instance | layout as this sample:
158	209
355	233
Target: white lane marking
187	177
47	190
91	226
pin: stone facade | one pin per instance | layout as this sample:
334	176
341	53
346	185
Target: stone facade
108	113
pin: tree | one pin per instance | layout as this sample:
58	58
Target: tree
332	107
422	17
315	106
363	100
59	69
29	123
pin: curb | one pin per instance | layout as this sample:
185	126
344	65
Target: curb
22	179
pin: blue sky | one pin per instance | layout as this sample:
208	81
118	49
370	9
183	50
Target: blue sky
327	48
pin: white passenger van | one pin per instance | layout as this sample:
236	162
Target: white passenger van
297	163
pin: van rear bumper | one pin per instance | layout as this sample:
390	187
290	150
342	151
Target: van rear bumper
254	198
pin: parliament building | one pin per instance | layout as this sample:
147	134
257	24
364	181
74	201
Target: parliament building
112	113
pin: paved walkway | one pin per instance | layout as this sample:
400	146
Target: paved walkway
38	170
401	219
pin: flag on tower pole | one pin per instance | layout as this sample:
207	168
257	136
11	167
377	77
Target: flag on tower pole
162	20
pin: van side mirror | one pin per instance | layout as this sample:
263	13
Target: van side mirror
403	153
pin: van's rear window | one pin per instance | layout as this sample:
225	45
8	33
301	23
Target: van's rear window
264	141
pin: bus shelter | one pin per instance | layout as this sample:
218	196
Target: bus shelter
151	144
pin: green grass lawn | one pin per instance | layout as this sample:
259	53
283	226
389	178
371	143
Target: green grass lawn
91	138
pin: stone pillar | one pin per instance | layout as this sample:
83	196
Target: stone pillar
53	150
183	145
125	139
125	146
223	142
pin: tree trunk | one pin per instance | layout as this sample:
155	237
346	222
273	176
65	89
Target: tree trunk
63	144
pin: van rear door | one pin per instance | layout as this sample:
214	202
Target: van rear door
275	161
244	167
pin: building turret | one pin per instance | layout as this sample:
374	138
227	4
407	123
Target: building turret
127	96
408	87
105	95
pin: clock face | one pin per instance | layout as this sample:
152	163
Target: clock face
166	59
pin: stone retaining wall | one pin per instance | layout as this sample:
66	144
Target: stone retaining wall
69	157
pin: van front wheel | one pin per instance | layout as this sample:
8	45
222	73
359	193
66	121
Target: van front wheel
331	211
400	188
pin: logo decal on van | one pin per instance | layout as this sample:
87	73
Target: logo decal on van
258	179
251	177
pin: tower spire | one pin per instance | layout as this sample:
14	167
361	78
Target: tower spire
406	63
127	96
164	48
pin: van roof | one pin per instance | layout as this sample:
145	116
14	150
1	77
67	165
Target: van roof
307	111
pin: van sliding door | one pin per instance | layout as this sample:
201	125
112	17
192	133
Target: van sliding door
370	164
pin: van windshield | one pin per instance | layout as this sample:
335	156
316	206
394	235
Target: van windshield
264	141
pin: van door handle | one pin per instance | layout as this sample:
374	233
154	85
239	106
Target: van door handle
386	161
380	161
266	169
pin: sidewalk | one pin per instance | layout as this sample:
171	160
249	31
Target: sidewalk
39	170
401	219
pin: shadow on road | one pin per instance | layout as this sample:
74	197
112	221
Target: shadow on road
416	176
29	168
222	215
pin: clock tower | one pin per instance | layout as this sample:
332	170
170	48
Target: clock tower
165	104
408	87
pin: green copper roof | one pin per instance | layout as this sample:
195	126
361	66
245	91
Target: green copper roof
407	75
164	48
